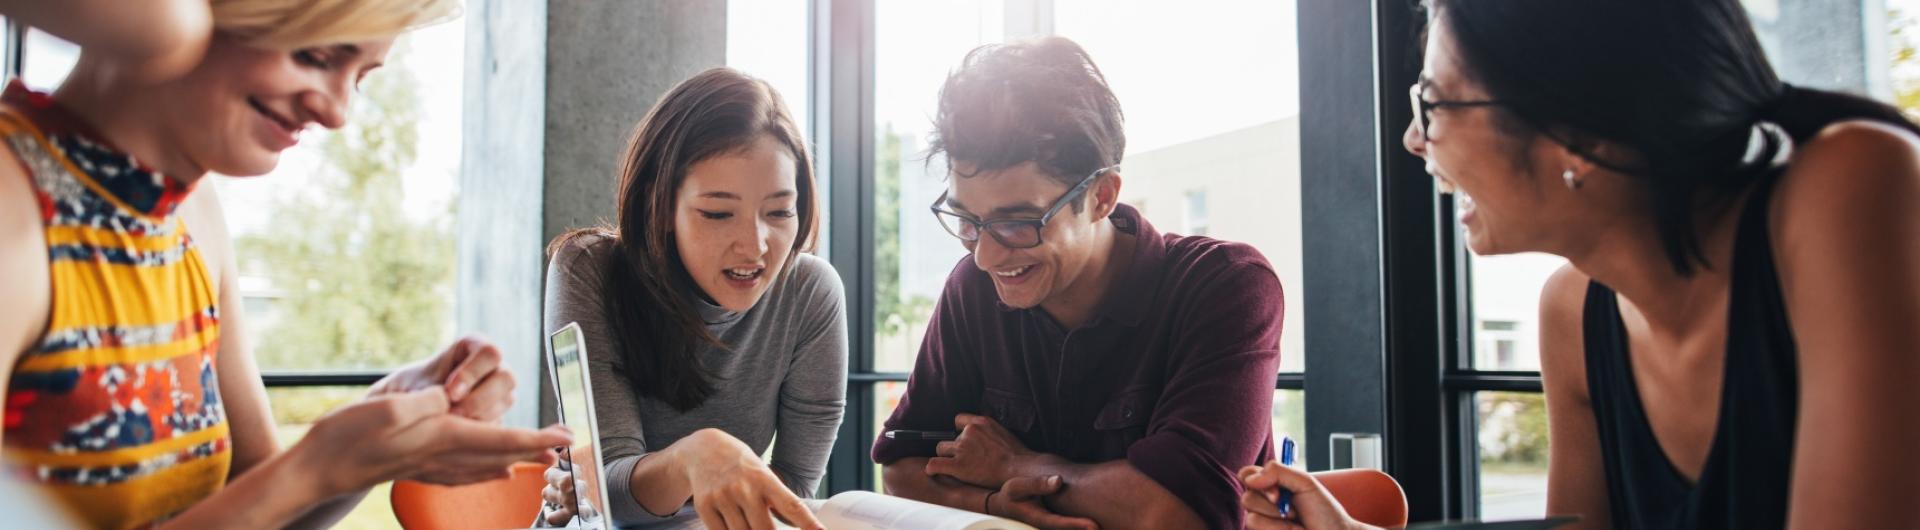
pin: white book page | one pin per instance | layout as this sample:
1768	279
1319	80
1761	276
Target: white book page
863	510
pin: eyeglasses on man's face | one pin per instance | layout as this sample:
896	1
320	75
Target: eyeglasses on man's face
1011	233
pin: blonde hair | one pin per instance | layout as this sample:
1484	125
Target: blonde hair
291	24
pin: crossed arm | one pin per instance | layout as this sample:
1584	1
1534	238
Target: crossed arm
988	470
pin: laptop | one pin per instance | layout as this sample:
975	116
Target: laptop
573	389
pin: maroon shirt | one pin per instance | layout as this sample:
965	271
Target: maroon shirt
1174	373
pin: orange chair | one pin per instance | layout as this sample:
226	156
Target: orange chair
512	502
1370	496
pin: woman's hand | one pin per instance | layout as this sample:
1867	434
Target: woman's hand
411	436
733	489
477	384
1312	509
559	495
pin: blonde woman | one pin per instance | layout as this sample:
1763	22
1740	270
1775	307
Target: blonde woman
131	392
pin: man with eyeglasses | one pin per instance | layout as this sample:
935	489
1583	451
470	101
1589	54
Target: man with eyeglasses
1081	368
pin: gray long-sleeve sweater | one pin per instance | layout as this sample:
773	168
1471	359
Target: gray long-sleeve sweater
784	373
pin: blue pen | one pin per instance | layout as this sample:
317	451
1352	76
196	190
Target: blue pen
1285	502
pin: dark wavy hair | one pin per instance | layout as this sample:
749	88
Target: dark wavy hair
1041	101
1680	84
656	329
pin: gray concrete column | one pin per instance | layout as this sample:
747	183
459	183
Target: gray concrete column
607	63
497	290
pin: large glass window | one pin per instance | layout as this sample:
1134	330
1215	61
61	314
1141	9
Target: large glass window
379	194
915	45
1210	90
1506	309
47	60
1512	441
768	39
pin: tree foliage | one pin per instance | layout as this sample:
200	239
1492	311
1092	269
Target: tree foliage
364	283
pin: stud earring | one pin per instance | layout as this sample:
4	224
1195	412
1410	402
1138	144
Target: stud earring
1573	182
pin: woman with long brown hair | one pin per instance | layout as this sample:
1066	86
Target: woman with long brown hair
722	331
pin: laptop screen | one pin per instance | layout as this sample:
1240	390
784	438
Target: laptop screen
567	362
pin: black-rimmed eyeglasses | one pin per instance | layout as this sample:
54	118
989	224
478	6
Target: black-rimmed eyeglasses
1012	233
1423	108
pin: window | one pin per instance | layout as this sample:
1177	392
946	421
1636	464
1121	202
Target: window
1512	442
47	60
306	312
1506	309
1196	222
1511	427
915	45
1213	124
768	39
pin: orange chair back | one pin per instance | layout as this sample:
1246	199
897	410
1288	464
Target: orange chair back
1369	495
511	502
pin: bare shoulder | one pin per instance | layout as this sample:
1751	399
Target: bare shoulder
1562	337
1852	169
208	225
1848	194
23	261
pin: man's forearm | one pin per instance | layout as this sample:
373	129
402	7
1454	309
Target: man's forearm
907	477
1112	493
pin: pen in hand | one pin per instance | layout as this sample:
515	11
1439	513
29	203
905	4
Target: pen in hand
930	436
1285	501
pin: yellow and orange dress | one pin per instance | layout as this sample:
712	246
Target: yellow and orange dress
115	410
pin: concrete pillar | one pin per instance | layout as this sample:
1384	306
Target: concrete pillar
497	290
607	63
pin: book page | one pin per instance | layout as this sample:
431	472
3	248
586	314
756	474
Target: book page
863	510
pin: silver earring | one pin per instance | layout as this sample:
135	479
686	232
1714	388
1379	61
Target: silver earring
1573	183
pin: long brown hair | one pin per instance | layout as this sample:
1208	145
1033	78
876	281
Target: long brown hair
656	329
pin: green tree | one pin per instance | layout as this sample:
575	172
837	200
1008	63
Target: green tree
1905	70
364	284
886	234
1518	424
893	312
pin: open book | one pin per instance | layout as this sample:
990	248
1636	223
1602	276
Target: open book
865	510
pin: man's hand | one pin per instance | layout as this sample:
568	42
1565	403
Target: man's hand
1022	499
985	454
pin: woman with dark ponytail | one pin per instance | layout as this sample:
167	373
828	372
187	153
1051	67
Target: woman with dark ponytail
1733	342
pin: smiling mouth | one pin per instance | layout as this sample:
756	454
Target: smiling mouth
745	273
1013	273
277	120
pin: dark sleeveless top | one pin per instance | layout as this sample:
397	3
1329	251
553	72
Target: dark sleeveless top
1745	482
